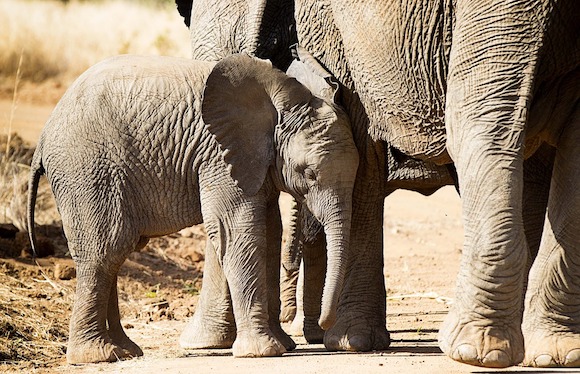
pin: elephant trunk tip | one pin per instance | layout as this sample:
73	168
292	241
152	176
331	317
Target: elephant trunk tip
327	320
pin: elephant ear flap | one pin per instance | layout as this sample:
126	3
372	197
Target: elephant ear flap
239	112
308	71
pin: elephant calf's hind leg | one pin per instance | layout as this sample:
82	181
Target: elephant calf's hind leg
89	339
116	332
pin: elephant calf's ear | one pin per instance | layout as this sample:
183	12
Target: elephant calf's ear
239	112
306	69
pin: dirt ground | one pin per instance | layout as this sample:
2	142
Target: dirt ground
159	288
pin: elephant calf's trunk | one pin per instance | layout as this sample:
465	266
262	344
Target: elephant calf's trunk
337	239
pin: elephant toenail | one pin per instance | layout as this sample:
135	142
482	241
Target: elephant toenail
572	358
496	359
544	361
269	351
359	343
466	353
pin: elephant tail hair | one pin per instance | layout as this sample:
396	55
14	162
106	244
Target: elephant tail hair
37	170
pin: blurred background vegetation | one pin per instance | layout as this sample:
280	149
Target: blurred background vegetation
59	39
46	44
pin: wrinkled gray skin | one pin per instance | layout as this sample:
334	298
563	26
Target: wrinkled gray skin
487	85
306	239
267	29
140	147
507	77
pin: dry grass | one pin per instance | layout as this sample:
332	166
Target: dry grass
51	41
14	175
13	159
33	332
60	40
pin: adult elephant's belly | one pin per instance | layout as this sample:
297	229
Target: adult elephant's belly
421	138
398	60
405	106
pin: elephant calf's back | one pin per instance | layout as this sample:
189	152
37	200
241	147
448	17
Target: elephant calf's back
125	142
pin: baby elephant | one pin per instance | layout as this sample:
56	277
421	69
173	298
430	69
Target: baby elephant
140	147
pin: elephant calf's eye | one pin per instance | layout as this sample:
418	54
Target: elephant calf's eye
309	174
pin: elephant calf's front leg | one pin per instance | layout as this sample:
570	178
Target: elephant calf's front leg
240	240
246	273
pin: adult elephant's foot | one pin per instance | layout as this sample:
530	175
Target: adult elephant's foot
550	343
545	349
313	333
263	344
297	325
307	327
200	334
479	342
120	339
96	350
357	334
282	337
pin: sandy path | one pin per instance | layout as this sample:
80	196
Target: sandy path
27	121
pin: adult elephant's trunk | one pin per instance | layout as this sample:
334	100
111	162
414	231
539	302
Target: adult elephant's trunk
337	231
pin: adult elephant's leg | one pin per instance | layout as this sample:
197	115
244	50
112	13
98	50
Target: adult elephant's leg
116	331
491	69
551	324
274	240
537	177
212	325
291	260
361	324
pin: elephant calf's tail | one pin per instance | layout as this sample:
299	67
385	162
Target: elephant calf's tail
37	170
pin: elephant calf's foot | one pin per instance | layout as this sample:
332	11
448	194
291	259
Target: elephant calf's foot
98	350
257	345
551	349
357	336
200	335
479	343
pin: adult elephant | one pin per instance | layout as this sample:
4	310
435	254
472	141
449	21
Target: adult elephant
486	85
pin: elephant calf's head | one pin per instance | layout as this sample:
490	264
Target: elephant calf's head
263	118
